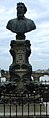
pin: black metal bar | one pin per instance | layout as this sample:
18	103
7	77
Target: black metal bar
46	99
10	105
28	105
10	110
4	105
16	106
4	109
40	110
40	103
34	108
16	110
34	103
46	109
46	104
22	104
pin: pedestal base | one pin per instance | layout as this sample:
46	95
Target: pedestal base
20	67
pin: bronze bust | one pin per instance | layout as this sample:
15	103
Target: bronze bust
21	24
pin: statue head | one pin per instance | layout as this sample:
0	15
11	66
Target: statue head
21	10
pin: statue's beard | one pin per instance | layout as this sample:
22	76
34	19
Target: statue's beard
20	15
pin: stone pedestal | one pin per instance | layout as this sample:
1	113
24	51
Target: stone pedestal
20	67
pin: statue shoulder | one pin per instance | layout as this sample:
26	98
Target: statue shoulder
30	23
10	23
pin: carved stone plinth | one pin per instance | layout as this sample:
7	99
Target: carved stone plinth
20	67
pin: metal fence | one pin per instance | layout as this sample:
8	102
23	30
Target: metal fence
24	103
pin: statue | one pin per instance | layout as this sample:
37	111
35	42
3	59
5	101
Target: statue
20	68
21	24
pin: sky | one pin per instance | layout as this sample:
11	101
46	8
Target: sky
38	11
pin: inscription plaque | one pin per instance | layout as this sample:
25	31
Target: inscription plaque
20	56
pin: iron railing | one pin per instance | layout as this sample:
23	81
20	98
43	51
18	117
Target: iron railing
32	102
